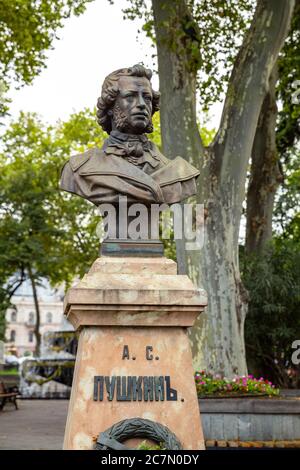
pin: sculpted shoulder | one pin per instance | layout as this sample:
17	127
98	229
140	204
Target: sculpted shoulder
77	161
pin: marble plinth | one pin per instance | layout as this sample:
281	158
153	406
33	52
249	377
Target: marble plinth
133	315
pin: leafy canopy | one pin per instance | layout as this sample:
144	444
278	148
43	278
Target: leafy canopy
27	31
42	229
273	320
215	30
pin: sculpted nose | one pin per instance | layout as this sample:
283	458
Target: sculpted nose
141	102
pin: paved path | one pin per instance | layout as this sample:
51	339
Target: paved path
37	425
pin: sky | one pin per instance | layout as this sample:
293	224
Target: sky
90	47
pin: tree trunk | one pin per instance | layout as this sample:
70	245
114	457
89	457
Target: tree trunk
265	174
179	129
218	336
37	313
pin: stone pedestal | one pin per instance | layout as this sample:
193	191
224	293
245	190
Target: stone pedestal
134	358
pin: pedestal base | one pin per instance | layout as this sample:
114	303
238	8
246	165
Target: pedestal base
133	360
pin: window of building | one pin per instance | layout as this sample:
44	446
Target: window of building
30	337
31	318
49	317
13	315
12	336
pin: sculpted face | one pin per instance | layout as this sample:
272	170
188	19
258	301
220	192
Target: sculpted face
132	111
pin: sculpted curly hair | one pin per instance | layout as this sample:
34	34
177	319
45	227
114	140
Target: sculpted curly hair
110	92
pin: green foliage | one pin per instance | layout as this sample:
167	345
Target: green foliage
155	136
4	100
273	321
3	308
42	229
145	446
27	31
287	205
222	26
286	213
207	135
212	31
12	371
288	87
209	384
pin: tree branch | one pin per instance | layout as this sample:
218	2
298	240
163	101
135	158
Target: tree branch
265	174
178	65
37	310
247	88
14	286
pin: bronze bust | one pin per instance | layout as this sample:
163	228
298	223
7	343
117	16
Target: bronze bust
128	163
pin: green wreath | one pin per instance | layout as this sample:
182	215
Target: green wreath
113	437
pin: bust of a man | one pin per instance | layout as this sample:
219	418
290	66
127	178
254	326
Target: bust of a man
128	164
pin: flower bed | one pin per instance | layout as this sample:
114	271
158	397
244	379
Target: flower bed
209	385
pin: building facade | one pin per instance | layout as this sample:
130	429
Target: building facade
21	318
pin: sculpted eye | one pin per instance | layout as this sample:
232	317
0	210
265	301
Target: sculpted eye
127	96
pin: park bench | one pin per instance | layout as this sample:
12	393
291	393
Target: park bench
7	395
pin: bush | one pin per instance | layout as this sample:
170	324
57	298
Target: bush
273	320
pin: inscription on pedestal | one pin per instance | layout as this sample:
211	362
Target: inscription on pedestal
134	388
149	355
